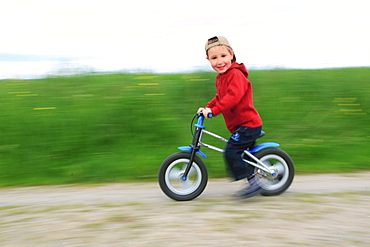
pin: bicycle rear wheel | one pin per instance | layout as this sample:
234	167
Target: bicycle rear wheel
282	163
170	177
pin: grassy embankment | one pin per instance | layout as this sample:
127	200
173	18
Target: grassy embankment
108	128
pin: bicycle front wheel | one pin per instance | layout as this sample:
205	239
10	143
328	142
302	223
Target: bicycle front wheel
170	177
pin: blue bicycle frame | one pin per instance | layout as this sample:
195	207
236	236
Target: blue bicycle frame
194	148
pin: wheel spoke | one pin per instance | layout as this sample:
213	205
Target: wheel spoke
175	174
192	171
186	184
267	163
268	182
280	167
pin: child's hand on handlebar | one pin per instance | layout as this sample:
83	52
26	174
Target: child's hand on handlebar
200	109
205	111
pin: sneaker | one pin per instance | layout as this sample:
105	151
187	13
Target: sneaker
252	190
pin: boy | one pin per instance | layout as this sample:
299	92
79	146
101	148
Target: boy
234	101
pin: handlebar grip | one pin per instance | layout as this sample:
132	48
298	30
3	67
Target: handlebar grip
210	115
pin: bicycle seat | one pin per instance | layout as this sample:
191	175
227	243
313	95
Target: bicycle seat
262	134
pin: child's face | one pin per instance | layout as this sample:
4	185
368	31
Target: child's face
220	58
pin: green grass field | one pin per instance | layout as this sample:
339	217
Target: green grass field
120	127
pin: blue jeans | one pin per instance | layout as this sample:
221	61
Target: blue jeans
241	139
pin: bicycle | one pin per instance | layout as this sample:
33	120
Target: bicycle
183	176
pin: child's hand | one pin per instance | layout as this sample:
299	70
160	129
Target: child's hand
200	109
206	111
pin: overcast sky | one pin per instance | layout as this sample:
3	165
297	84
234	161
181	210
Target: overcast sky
169	35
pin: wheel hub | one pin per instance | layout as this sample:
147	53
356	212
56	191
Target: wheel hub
274	173
271	176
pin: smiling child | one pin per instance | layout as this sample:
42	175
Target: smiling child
234	101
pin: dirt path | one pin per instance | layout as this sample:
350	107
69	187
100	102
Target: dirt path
320	210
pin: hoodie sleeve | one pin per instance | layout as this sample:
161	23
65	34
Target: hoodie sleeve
236	86
212	103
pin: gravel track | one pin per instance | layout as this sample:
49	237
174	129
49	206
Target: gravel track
317	210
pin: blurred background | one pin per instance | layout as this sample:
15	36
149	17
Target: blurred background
65	37
104	91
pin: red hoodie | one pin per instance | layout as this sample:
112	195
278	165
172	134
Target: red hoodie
234	99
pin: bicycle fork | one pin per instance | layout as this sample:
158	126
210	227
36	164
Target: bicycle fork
195	147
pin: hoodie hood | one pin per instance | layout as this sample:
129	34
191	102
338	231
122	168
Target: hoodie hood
239	66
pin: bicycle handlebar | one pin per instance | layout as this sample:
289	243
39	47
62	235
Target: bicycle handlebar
210	115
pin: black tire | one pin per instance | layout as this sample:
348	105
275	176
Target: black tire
281	161
170	173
